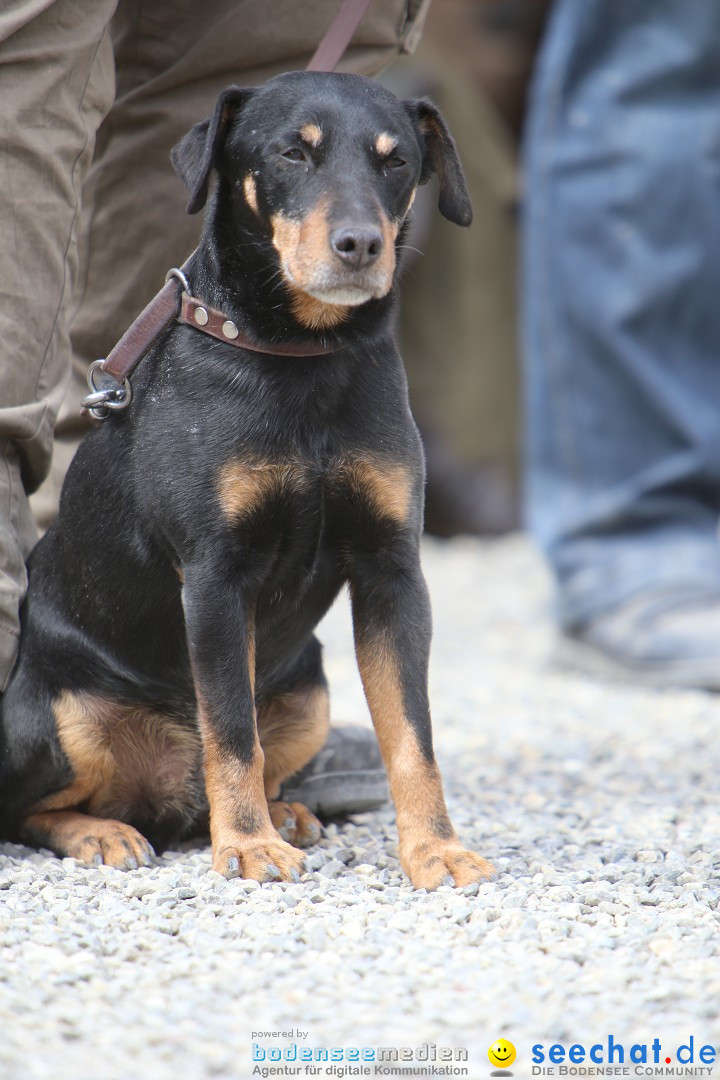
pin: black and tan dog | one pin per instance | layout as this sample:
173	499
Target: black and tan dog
168	665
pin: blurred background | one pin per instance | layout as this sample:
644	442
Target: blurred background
458	326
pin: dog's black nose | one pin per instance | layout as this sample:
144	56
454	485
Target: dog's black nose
358	246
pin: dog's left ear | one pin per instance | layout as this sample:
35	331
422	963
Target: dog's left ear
440	156
197	152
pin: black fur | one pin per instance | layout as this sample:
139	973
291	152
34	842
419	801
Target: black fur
106	612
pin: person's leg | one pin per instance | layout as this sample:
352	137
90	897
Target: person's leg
622	325
57	82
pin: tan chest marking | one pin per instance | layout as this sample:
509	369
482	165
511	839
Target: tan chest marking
243	487
388	488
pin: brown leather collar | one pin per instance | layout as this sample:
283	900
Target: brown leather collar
173	302
195	313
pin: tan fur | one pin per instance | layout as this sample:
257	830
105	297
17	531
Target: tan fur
386	263
385	144
390	230
430	127
292	728
312	134
250	191
295	823
121	755
88	839
305	251
408	208
428	847
415	784
243	486
303	246
251	652
387	487
314	314
240	825
235	790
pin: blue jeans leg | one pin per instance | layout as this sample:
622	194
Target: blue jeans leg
621	283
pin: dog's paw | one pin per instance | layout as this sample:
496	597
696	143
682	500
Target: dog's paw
295	823
110	843
445	863
262	859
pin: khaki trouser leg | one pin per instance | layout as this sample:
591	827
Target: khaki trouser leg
173	58
56	74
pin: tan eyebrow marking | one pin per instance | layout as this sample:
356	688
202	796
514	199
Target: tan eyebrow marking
385	143
312	134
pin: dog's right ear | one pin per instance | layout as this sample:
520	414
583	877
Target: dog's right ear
197	152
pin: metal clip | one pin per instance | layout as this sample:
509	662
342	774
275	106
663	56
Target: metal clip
109	396
177	273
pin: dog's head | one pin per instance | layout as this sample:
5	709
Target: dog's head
325	167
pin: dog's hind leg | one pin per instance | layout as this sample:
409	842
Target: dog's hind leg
292	727
92	841
123	773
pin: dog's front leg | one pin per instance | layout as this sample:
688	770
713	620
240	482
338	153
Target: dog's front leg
392	625
221	643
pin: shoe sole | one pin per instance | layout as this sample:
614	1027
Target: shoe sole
576	656
331	794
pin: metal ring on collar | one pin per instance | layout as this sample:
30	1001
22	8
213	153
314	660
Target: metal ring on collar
101	399
176	272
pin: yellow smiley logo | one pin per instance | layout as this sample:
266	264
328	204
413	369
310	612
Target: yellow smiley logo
501	1053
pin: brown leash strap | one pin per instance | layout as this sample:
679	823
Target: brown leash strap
339	35
150	323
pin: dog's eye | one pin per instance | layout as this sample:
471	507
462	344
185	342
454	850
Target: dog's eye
294	153
394	163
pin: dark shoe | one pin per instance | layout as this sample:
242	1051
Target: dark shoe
664	637
345	777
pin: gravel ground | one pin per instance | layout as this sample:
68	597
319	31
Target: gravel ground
597	805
